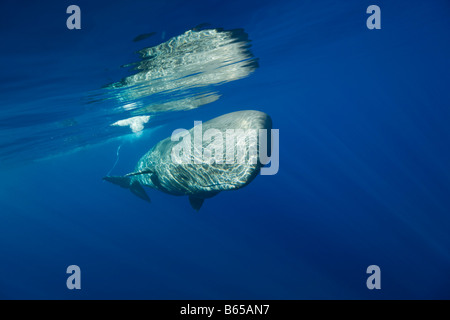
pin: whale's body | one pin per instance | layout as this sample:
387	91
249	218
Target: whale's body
193	176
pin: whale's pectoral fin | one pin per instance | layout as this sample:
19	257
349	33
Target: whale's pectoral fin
196	203
138	190
128	183
153	176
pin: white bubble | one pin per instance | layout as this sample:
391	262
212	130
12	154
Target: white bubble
136	123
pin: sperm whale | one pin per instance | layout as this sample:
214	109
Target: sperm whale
218	155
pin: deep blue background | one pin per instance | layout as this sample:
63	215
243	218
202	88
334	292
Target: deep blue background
364	157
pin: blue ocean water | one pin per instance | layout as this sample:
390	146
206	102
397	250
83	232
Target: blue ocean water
364	174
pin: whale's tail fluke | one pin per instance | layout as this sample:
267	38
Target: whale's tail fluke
129	183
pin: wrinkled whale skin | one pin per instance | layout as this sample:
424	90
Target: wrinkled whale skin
197	180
